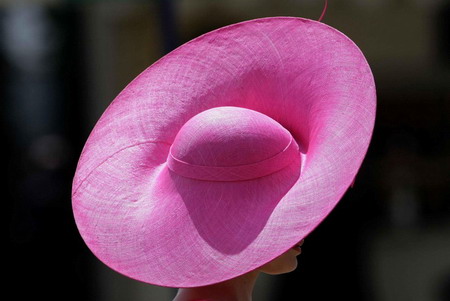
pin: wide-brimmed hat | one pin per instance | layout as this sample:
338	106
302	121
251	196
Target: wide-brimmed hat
226	152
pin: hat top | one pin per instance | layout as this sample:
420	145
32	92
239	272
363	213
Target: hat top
231	144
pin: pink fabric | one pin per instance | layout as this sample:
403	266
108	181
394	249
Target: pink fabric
230	100
221	147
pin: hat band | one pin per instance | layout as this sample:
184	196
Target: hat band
235	173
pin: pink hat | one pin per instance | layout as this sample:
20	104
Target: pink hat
226	152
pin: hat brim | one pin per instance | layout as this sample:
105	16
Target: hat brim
152	225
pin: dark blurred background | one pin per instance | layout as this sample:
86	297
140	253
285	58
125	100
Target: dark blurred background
63	62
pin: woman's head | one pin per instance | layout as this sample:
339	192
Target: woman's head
285	263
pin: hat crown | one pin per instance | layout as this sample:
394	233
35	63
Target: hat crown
229	136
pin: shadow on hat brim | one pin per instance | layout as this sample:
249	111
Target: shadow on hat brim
154	226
